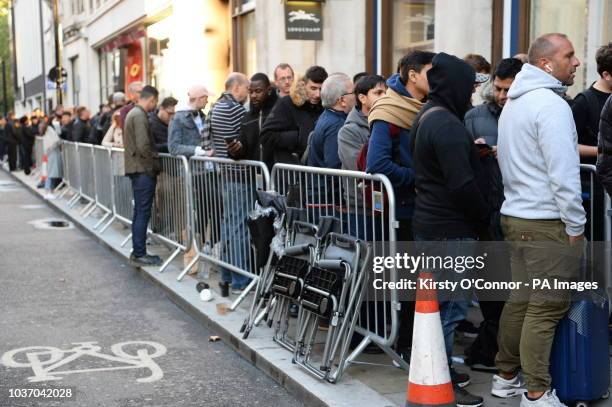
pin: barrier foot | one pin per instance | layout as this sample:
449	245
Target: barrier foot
74	200
243	295
102	219
167	262
127	239
57	188
64	192
90	211
110	222
187	268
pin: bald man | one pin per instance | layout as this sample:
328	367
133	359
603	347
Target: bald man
226	119
187	134
542	216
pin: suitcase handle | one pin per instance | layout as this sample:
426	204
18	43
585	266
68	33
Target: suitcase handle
572	342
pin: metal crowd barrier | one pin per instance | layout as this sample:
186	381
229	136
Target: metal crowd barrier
39	151
72	175
103	176
365	204
599	212
87	176
223	194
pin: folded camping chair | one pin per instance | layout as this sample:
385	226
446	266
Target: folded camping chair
270	210
333	290
287	278
286	286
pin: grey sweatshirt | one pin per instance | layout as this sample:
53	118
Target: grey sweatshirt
538	152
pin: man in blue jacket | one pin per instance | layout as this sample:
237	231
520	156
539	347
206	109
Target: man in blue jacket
390	122
338	99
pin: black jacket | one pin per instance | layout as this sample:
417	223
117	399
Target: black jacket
251	128
159	130
284	135
80	131
66	133
604	147
450	202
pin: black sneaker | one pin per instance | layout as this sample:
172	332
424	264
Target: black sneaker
467	329
464	398
459	379
146	260
293	310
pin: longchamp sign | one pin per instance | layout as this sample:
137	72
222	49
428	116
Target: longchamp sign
303	20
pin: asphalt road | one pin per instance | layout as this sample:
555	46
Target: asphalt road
59	288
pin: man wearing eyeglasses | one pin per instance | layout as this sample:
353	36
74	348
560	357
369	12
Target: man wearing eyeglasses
283	79
338	100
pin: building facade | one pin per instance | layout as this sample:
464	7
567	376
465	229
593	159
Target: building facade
106	44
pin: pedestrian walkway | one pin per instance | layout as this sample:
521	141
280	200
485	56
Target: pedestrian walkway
373	384
64	292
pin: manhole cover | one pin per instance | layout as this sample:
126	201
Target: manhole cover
52	223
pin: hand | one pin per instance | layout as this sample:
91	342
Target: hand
480	140
494	151
199	151
573	240
234	148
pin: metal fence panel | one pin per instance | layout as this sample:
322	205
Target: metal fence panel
86	171
365	205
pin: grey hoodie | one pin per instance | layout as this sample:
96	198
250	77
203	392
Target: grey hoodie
538	152
351	137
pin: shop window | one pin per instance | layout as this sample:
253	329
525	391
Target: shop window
412	27
244	37
76	81
569	17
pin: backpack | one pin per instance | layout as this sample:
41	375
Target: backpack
372	191
362	157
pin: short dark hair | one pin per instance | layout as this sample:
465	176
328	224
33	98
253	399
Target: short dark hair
66	113
508	68
603	57
80	110
364	85
148	91
316	74
478	62
261	77
414	61
283	65
358	76
168	102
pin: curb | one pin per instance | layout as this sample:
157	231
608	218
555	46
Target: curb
311	391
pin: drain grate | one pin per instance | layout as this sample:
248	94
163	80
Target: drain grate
52	224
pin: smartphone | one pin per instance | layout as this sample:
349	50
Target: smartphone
230	139
484	147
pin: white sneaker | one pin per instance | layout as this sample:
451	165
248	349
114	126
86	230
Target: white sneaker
50	197
549	399
507	388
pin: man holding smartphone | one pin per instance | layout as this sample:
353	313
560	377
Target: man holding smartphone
226	117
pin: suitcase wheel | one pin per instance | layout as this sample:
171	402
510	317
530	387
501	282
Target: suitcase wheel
582	404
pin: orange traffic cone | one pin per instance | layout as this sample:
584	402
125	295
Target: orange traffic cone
43	168
429	382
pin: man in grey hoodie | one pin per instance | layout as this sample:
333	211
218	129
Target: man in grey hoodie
542	216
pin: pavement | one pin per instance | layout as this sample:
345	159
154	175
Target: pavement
374	383
60	287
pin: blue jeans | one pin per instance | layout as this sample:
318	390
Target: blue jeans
454	308
143	187
234	233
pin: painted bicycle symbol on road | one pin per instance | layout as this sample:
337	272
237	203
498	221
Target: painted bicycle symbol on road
46	361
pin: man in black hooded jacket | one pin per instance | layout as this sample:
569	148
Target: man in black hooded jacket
450	208
262	97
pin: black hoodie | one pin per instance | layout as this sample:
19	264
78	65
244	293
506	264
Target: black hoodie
449	202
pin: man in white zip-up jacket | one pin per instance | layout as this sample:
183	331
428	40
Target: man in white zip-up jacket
542	216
